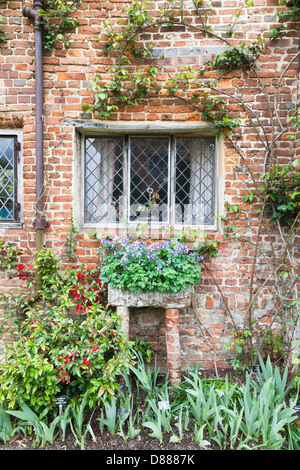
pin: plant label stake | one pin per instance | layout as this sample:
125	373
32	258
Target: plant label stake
122	387
297	409
256	368
61	401
122	412
164	405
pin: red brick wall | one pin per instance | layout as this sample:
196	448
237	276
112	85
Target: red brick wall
67	74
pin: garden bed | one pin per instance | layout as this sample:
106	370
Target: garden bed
113	443
107	441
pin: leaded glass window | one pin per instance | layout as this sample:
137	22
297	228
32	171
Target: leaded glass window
122	173
9	148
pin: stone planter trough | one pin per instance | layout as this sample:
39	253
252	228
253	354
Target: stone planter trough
172	302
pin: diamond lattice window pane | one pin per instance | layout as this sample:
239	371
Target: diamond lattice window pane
149	174
7	179
195	181
104	176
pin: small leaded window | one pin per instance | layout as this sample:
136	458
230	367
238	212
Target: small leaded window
122	174
9	150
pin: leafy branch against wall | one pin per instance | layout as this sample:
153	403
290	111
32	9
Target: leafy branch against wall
2	37
57	22
2	21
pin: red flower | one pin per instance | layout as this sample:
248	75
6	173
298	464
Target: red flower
21	267
79	307
86	363
62	378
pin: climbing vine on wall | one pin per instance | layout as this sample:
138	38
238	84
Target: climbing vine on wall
139	73
57	21
127	87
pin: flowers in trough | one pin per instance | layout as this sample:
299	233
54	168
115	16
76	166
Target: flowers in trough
139	266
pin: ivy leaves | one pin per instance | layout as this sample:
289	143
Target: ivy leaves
282	193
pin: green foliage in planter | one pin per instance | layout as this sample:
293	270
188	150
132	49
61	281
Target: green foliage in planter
137	266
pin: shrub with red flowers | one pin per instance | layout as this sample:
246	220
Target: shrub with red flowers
58	354
78	288
69	342
24	274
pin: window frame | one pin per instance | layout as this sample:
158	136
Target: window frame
86	128
17	134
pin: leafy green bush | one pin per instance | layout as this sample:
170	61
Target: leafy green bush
137	266
58	355
69	343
